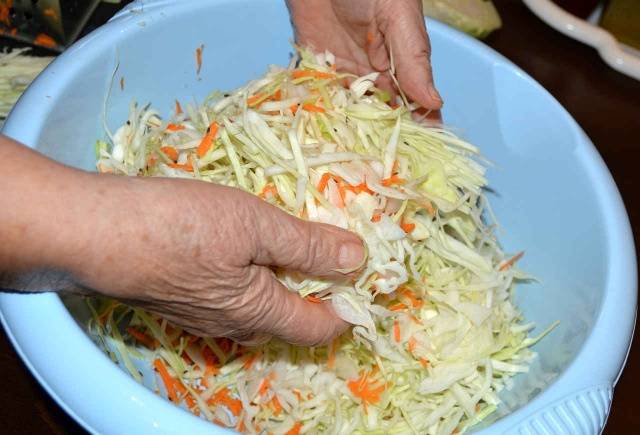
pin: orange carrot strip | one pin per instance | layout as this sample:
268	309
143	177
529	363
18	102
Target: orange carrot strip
45	40
424	362
269	188
376	218
298	74
170	152
254	99
293	108
142	338
510	262
295	430
211	362
324	181
241	427
331	359
175	127
415	302
277	407
250	360
394	179
313	299
396	331
178	108
364	390
199	51
313	108
207	140
407	228
185	167
413	343
398	307
166	379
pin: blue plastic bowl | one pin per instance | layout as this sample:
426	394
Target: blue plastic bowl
554	198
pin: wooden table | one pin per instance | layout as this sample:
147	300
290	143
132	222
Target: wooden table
605	103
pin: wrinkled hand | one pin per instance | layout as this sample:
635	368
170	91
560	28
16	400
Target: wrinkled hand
363	33
201	256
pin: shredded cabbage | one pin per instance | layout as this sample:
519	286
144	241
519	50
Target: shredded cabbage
436	334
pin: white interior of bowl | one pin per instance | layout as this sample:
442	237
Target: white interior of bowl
548	186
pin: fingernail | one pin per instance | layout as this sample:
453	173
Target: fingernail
434	94
351	257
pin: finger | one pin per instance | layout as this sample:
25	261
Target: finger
406	38
287	316
316	249
377	50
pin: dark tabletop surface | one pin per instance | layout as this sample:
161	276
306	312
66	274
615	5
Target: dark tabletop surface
604	102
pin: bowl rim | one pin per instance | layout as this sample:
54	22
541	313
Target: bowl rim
156	414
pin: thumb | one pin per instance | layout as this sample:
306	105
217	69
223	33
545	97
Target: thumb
407	41
316	249
286	315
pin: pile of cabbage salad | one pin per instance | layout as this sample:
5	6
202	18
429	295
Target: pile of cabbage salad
436	334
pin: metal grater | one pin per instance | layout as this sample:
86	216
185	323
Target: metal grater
50	23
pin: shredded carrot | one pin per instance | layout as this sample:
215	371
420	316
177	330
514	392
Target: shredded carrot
175	127
254	99
477	407
415	320
430	208
5	12
424	362
199	51
221	397
277	407
370	37
510	262
394	179
364	389
169	384
277	95
295	430
151	160
415	302
207	140
362	187
298	395
407	228
250	360
211	362
398	307
219	422
178	108
268	189
184	393
241	427
298	74
376	217
396	331
264	386
188	167
142	338
45	40
413	343
324	181
313	299
170	152
331	359
313	108
293	108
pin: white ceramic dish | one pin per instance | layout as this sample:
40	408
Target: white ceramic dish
619	56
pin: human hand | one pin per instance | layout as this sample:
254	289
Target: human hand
200	255
363	33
